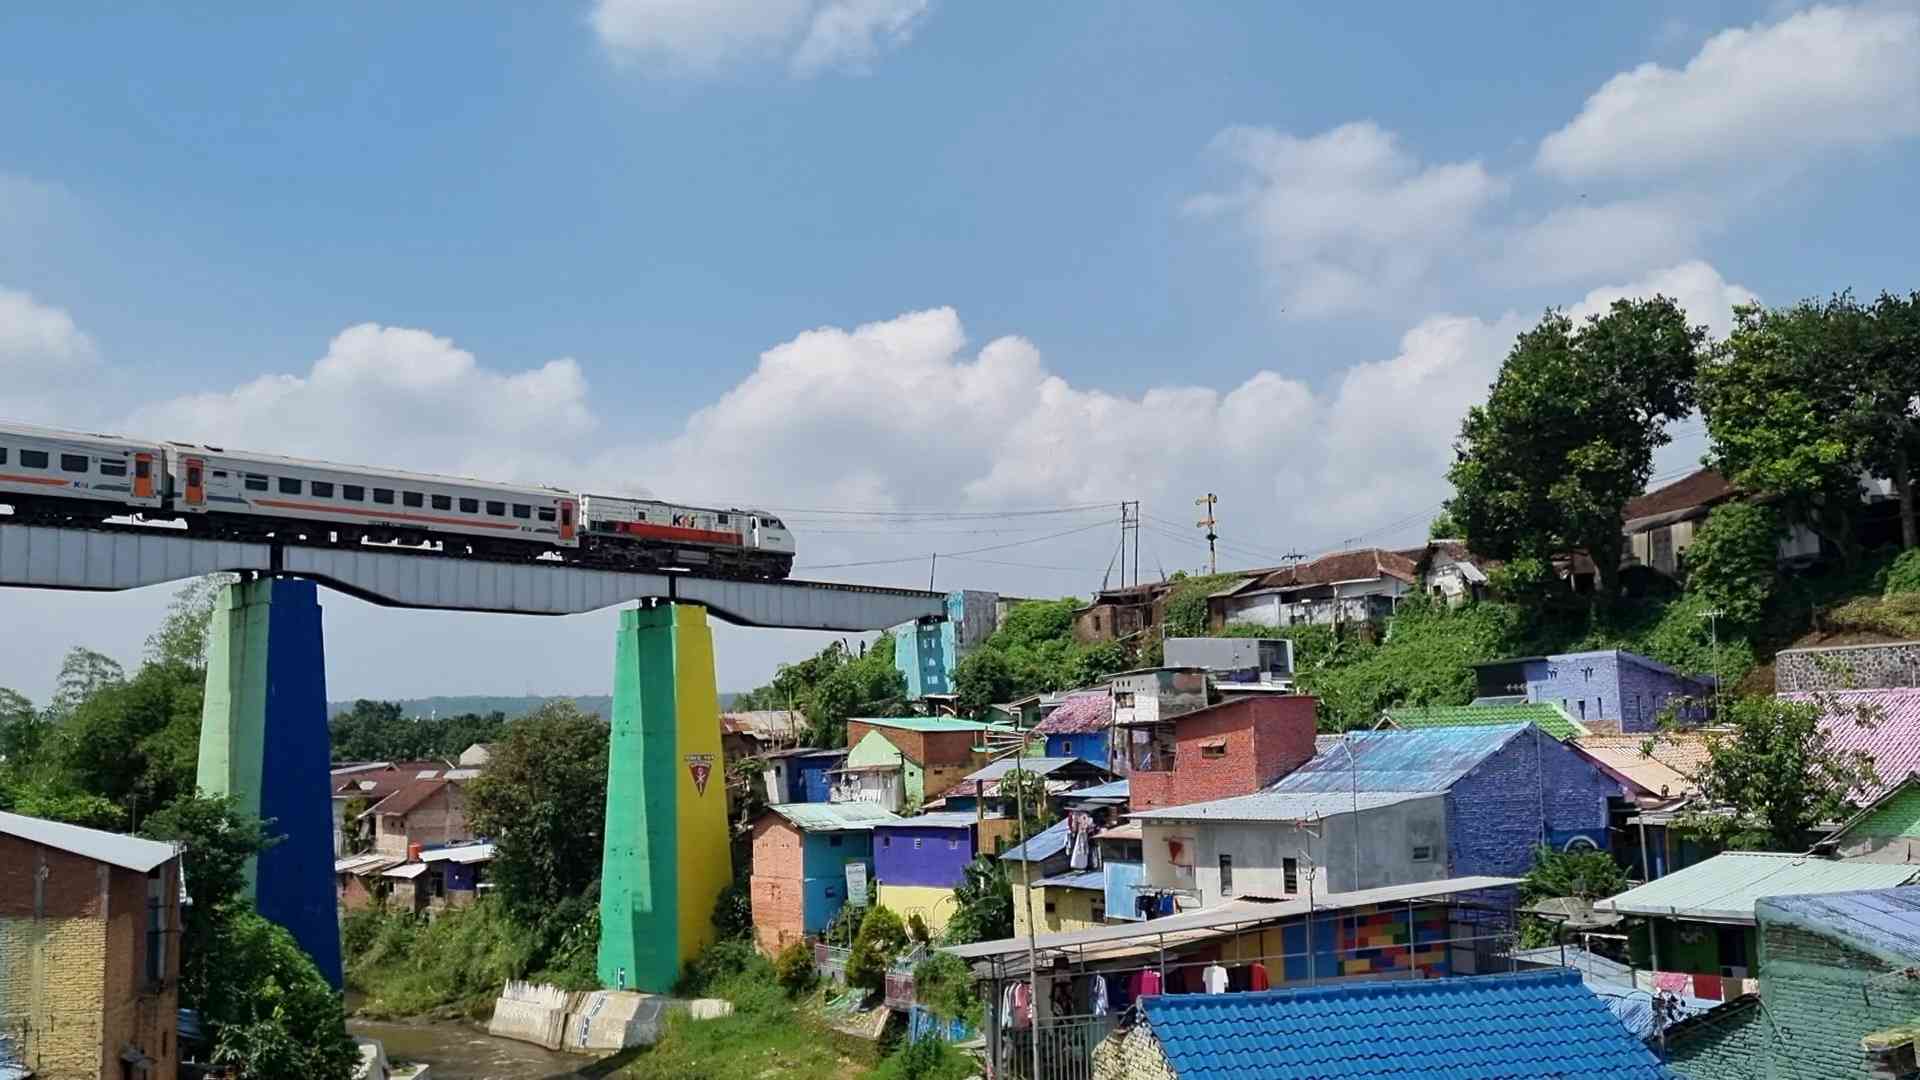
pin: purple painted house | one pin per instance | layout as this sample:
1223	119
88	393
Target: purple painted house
1598	688
931	850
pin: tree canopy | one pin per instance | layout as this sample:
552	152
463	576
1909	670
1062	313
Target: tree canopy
543	800
1777	775
1568	433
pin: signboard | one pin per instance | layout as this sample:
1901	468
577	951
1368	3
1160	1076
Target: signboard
857	884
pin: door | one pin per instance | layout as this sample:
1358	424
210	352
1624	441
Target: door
196	493
566	520
143	476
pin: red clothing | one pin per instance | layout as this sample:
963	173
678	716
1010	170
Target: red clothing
1149	983
1257	977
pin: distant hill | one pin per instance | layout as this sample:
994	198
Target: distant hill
599	704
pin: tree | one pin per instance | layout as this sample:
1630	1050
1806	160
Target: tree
217	840
1027	790
182	637
983	903
543	800
272	1014
1777	775
1583	875
1888	414
21	730
83	674
1443	527
1780	397
1568	433
882	937
982	678
1733	558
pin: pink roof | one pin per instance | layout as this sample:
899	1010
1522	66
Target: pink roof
1082	714
1893	739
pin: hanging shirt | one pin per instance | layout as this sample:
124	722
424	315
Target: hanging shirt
1097	994
1214	978
1149	983
1257	977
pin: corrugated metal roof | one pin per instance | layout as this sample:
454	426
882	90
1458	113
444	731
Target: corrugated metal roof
1080	715
371	862
1676	757
1078	879
1113	789
1430	760
951	819
1490	1027
1281	806
461	853
1233	913
1552	719
407	871
1884	922
1040	848
834	817
1042	765
1725	887
114	849
920	723
1893	739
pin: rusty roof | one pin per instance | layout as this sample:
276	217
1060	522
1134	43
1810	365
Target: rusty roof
404	800
1357	565
1701	487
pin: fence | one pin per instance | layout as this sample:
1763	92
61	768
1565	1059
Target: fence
1066	1048
831	961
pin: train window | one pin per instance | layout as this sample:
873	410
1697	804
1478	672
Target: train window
256	482
112	468
497	509
443	502
74	463
383	495
413	498
723	519
33	459
353	492
469	506
3	455
289	485
771	522
322	489
546	513
522	510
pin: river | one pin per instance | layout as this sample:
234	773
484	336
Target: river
463	1051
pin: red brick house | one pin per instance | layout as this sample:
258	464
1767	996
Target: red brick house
89	952
1234	748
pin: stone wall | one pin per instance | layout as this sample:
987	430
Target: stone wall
1847	667
1824	996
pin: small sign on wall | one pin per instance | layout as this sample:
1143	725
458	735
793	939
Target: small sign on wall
857	884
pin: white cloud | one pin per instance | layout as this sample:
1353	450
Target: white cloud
1347	219
1697	287
1585	240
390	396
701	37
1823	78
42	354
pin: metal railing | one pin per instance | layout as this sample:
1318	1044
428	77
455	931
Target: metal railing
1066	1048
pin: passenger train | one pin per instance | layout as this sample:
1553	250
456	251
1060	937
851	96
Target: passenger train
78	480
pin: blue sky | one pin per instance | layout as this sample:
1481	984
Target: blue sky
1098	252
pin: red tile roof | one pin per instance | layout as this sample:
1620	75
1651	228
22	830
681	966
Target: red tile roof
408	797
1081	715
1359	565
1892	739
1702	487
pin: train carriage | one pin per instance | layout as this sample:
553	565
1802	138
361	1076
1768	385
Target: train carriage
65	477
248	495
646	533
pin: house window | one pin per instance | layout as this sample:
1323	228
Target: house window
833	841
1423	853
1066	748
1096	624
33	459
1290	875
916	843
1583	708
1050	907
1099	909
1214	750
953	845
1226	875
886	841
1123	699
1599	706
157	927
74	463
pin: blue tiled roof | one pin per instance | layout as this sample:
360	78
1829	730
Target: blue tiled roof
1488	1027
1426	760
1042	847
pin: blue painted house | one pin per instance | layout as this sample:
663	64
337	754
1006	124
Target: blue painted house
917	861
928	651
800	776
1507	787
1080	728
800	857
1603	686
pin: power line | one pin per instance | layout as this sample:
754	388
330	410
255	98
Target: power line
952	554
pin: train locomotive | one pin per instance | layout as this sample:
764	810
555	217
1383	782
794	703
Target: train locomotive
78	480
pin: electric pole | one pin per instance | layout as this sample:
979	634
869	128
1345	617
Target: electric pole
1205	503
1712	616
1130	528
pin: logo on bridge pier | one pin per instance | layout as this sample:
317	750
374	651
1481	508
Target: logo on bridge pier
701	767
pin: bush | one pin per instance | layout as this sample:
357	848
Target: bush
733	909
719	963
460	958
275	1016
928	1059
882	937
794	968
944	985
917	929
1733	560
1903	576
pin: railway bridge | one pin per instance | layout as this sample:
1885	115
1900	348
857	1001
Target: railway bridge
263	732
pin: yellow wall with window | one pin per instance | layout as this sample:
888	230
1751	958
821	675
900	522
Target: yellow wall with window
1056	908
932	903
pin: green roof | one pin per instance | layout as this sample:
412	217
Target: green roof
1551	718
919	723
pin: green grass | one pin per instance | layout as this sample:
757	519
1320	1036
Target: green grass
458	962
768	1037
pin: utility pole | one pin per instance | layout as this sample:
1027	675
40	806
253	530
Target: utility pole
1205	503
1130	527
1712	615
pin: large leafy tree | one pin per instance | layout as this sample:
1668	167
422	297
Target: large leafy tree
983	903
1776	774
273	1015
217	839
1568	433
1732	561
1782	402
543	801
1888	401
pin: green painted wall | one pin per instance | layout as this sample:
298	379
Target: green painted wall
666	855
1721	1048
1688	946
1824	996
1899	817
233	715
874	749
